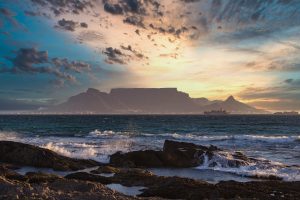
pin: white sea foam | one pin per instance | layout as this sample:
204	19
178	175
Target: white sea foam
107	133
261	138
9	135
89	152
255	168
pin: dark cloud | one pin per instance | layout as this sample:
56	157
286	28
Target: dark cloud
59	7
84	25
137	54
114	56
68	25
77	66
134	20
32	61
114	9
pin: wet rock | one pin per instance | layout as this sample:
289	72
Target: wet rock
148	158
178	188
28	155
105	169
7	172
84	176
58	189
37	177
174	154
182	154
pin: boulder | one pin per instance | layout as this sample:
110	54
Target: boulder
174	154
28	155
148	158
182	154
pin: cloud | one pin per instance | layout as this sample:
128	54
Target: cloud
114	9
137	54
59	7
8	15
134	20
67	25
114	56
281	97
70	25
84	25
77	66
32	61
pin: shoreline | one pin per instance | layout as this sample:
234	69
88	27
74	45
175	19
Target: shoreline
126	172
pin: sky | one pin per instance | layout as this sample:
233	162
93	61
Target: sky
52	49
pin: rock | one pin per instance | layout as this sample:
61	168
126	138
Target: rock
148	158
182	154
84	176
7	172
105	169
58	189
28	155
174	154
37	177
178	188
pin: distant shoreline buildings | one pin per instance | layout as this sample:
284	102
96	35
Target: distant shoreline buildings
286	113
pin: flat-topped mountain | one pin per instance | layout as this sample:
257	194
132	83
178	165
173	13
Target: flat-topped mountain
145	101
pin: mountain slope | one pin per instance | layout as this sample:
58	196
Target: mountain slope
147	101
233	106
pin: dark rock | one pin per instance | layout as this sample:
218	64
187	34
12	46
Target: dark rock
7	172
146	158
84	176
105	169
174	154
182	154
37	177
28	155
178	188
58	189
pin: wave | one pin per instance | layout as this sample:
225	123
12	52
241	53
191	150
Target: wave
253	168
260	138
196	137
88	152
107	133
9	135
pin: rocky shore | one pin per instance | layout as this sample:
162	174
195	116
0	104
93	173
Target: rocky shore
128	170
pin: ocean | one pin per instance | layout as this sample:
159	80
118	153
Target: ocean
264	137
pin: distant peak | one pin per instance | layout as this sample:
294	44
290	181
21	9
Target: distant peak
92	91
230	98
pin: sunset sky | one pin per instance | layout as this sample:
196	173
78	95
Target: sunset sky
52	49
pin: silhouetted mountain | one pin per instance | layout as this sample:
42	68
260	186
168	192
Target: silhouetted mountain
14	105
235	107
130	100
146	101
204	101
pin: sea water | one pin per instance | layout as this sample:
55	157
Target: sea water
263	137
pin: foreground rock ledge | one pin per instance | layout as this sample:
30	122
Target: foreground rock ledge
83	185
28	155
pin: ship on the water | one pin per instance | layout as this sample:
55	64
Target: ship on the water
216	112
286	113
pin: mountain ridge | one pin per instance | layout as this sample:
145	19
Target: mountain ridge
147	101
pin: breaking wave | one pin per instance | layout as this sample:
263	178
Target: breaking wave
261	138
253	168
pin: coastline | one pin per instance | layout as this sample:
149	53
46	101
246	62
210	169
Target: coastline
87	179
